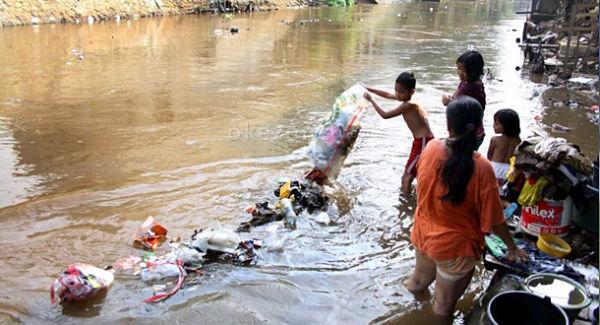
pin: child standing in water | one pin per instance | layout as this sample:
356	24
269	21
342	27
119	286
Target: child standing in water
414	117
502	147
470	70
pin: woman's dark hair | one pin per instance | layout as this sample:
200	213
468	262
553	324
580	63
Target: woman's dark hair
509	119
473	62
463	116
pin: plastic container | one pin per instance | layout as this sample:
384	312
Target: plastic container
553	245
547	217
520	307
571	296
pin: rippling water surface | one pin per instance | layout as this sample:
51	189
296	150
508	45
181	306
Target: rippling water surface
103	125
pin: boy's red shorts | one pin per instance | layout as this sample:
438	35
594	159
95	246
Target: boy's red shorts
418	146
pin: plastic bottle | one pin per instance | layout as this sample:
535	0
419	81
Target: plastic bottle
290	215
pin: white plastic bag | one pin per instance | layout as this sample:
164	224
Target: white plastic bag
335	137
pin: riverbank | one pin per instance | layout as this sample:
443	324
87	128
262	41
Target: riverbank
35	12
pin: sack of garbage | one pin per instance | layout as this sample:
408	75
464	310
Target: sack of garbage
80	282
335	137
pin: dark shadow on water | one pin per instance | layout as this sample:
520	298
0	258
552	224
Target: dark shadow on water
88	308
422	314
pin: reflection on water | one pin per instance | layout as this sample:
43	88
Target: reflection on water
18	183
175	117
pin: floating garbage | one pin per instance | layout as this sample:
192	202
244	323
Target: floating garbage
150	234
80	282
191	257
335	137
221	241
288	211
158	270
162	269
560	128
262	214
127	263
298	195
323	218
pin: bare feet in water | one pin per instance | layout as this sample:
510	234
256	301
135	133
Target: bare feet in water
419	293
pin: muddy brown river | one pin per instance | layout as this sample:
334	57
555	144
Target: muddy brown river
103	125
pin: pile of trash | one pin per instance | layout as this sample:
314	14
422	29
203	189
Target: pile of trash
333	141
82	282
292	197
328	150
547	39
547	177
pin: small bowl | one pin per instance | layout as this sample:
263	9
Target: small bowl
553	245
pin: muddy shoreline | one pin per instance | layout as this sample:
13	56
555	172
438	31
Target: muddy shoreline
38	12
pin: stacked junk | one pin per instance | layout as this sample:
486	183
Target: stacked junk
560	37
334	138
560	42
555	188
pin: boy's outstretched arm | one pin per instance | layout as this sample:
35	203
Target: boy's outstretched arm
389	114
381	93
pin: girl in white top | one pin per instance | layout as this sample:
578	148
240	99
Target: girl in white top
502	147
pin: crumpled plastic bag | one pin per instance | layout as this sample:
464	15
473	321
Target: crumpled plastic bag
511	174
335	137
190	256
150	234
532	190
221	241
159	270
80	282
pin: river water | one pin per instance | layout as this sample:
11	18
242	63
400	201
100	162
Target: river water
103	125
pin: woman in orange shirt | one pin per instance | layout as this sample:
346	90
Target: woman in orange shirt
457	204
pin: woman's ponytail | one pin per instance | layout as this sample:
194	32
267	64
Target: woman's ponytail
464	117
